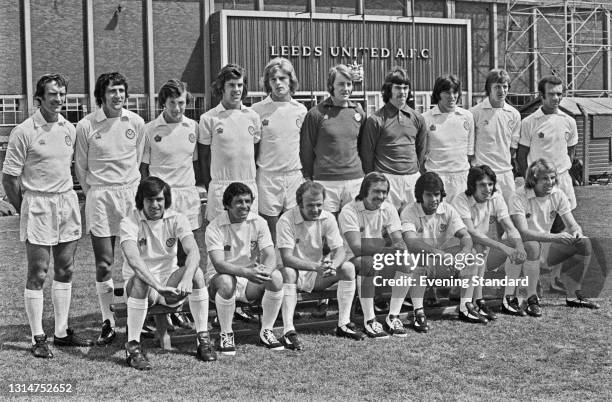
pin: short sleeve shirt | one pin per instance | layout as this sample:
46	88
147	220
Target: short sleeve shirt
435	229
540	212
306	238
548	136
482	214
231	135
170	150
109	150
40	153
450	141
156	240
241	242
279	148
354	217
496	130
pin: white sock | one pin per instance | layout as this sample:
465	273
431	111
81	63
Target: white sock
60	296
270	304
462	302
137	313
225	312
33	300
288	307
416	295
398	294
478	289
532	272
105	298
345	295
198	304
513	271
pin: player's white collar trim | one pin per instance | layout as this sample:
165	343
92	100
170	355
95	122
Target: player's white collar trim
224	218
168	213
530	193
99	115
220	108
161	121
38	120
436	110
441	210
268	99
486	104
298	218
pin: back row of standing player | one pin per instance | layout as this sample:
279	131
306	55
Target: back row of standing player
333	144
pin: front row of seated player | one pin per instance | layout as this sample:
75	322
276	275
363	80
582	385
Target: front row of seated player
242	262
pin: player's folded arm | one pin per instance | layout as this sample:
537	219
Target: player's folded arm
291	261
138	265
190	247
415	244
520	222
217	258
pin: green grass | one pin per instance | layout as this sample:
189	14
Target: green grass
565	355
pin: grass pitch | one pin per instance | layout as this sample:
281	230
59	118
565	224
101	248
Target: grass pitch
565	355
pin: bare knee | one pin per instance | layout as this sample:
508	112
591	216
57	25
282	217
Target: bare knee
37	273
290	275
276	281
346	271
137	288
532	248
363	265
225	285
198	280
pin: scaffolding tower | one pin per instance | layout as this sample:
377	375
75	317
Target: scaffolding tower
569	39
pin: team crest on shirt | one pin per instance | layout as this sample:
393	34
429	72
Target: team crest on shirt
157	138
142	242
68	140
192	138
171	242
41	142
511	124
130	134
98	136
540	135
357	117
251	130
442	227
492	220
432	127
466	125
485	123
220	130
265	122
298	122
528	215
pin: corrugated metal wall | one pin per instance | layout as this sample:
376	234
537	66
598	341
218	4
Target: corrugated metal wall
249	41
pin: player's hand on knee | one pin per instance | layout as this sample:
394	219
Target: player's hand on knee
259	274
168	292
518	256
563	238
184	287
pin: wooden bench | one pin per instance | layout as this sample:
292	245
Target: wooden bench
159	312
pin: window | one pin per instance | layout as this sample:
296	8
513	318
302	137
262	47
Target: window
138	104
10	114
76	107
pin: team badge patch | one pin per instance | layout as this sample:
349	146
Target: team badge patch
466	125
157	138
442	227
432	127
357	117
68	140
265	122
142	242
220	130
540	135
98	136
251	130
171	242
130	134
192	138
528	215
227	247
298	122
485	123
41	142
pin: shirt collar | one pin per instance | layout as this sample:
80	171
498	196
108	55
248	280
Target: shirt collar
101	116
391	109
540	112
486	104
436	111
161	121
268	99
439	211
39	120
224	218
168	213
220	108
530	193
328	102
